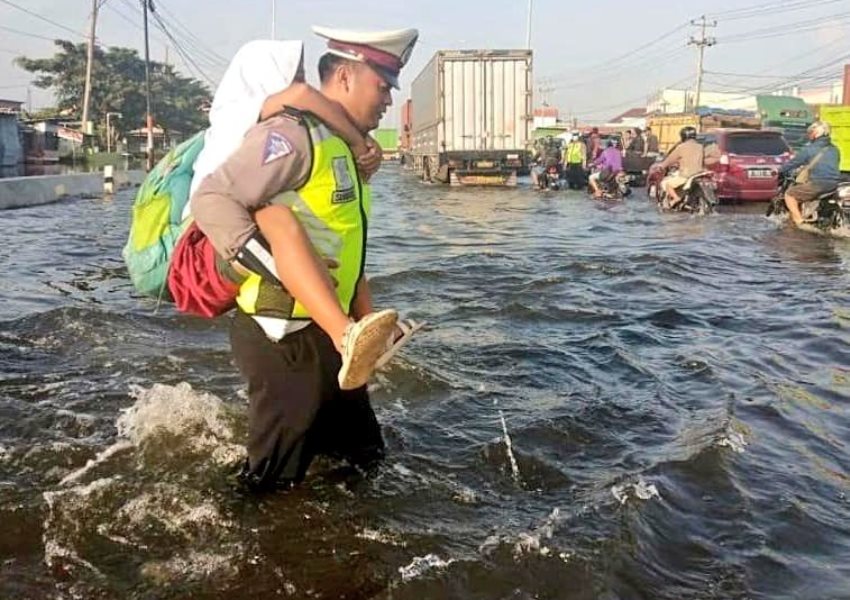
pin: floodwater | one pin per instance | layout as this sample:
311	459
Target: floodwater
609	403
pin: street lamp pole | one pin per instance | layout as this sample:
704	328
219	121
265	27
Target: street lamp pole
149	117
109	130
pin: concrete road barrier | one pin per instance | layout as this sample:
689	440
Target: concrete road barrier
20	192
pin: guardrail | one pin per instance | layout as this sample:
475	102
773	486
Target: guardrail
21	192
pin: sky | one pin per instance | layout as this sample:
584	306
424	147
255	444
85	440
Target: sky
592	60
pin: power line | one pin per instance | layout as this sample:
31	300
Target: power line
629	101
187	60
812	76
747	75
774	8
38	16
656	60
784	30
209	62
783	64
129	20
32	35
619	62
198	43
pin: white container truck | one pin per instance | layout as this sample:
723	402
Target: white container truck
472	117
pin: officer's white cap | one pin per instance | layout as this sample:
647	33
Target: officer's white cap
385	51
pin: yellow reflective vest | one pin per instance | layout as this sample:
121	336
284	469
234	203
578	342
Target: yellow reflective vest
575	153
333	207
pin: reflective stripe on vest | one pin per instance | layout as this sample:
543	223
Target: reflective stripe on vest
333	207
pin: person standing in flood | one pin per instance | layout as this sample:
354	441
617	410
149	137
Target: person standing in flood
263	77
286	200
575	162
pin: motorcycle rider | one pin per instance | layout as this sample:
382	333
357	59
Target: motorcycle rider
822	158
689	158
610	162
545	156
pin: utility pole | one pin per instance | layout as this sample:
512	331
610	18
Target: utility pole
148	116
544	88
89	61
109	130
701	45
274	2
528	26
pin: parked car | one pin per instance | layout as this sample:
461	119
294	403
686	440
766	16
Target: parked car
748	165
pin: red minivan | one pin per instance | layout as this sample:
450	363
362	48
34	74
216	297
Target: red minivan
749	160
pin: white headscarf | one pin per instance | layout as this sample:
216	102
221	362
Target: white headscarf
259	69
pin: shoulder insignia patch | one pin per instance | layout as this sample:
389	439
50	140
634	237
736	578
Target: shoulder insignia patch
277	146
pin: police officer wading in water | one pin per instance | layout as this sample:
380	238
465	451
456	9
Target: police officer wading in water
286	203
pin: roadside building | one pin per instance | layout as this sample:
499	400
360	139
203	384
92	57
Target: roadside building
48	141
137	140
11	150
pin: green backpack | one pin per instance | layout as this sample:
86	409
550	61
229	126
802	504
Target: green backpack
157	219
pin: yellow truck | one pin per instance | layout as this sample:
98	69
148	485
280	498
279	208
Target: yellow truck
838	117
667	127
787	114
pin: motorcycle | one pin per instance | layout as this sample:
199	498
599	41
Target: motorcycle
829	212
616	187
698	195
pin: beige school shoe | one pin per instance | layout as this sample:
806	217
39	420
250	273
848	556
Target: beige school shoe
363	342
405	328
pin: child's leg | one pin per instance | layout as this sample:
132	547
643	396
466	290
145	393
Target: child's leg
302	272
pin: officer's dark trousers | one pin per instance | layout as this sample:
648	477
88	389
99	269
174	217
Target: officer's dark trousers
296	407
575	176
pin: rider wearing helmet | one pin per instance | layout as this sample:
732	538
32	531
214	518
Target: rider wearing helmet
688	158
610	162
821	158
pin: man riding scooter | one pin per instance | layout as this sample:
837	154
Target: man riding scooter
820	174
610	162
688	157
546	157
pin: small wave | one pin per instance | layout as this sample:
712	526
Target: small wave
421	565
639	489
178	440
383	537
199	420
733	440
526	542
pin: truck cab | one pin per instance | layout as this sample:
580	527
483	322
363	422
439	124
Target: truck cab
788	115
